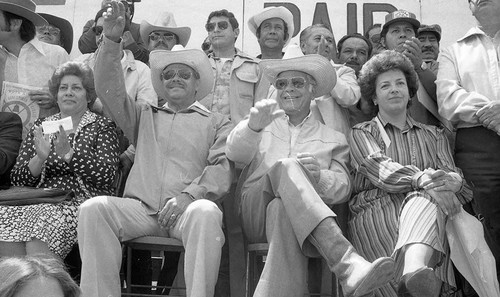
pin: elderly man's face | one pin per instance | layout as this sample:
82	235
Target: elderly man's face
319	38
180	82
397	34
354	53
485	10
272	33
430	45
295	92
223	34
49	34
161	39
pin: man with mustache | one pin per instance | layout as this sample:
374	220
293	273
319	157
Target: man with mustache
468	95
354	50
429	37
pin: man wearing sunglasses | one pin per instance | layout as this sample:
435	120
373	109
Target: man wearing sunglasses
131	37
468	95
237	74
25	59
179	174
165	33
373	35
297	169
273	28
331	108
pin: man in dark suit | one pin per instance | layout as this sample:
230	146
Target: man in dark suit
11	129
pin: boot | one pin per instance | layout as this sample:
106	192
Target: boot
357	276
420	283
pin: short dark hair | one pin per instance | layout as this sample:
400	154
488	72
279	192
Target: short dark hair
367	32
354	35
285	30
78	69
224	13
27	30
385	61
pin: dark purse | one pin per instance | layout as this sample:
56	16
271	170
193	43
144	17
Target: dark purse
16	196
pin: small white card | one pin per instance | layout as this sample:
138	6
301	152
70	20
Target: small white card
50	127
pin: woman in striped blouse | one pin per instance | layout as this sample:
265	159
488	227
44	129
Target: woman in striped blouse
406	184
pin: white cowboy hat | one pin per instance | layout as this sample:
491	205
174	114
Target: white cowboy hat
165	22
194	58
315	65
269	13
24	8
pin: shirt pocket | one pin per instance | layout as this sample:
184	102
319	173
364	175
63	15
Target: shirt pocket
246	82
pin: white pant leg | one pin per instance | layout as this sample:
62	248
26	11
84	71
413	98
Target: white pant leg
103	223
285	271
200	230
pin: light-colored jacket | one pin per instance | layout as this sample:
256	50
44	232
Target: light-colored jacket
261	150
468	77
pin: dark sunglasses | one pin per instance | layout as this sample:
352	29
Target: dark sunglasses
282	83
223	25
166	37
97	30
185	74
375	38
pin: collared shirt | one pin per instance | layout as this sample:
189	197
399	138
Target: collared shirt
176	151
295	130
35	64
468	77
261	150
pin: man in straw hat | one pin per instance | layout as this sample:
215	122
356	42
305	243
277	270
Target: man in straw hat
23	58
165	33
273	28
59	31
180	169
297	168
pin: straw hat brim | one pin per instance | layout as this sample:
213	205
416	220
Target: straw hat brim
32	16
315	65
194	58
273	12
65	27
184	33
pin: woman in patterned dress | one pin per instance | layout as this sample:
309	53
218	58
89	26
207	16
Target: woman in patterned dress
406	184
83	160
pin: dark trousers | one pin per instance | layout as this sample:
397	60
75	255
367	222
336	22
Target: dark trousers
477	153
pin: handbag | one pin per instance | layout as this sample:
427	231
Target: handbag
20	195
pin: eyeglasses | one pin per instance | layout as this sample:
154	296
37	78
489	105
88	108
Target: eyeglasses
297	82
375	38
185	74
54	31
97	30
223	25
168	37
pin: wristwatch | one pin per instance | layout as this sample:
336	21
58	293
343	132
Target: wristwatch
67	157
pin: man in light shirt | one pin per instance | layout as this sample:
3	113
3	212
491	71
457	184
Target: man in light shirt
468	85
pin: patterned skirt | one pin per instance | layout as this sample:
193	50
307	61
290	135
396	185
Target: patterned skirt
385	226
54	224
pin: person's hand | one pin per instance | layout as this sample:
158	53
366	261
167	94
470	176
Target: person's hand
43	98
61	143
173	209
489	116
412	49
263	113
114	21
127	38
441	180
447	201
322	46
311	164
42	143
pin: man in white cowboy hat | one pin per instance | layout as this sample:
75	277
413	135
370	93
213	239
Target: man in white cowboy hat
164	34
331	109
297	169
131	37
23	58
273	28
237	74
179	174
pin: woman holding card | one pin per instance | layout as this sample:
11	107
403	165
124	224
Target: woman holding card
82	157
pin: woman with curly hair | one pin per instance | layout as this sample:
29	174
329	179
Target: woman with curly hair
406	184
83	160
